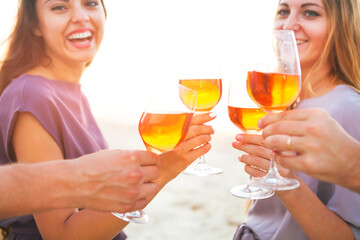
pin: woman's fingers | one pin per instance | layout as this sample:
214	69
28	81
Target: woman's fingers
295	162
252	149
198	127
254	172
286	143
255	161
197	130
198	152
291	115
251	139
194	143
260	165
202	118
294	128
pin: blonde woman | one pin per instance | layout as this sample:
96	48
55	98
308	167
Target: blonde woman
327	34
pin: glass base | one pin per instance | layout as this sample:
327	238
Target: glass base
275	183
202	170
138	216
248	192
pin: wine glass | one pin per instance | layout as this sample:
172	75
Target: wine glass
199	71
245	114
163	126
276	90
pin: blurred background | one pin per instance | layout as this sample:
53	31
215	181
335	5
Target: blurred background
144	39
141	48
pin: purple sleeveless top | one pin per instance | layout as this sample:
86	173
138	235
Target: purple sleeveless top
63	111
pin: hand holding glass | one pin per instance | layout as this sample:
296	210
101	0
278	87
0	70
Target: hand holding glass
200	72
276	90
163	126
244	114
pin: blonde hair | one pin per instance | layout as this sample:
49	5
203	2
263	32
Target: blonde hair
341	50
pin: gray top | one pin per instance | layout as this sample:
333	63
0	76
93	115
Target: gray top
271	220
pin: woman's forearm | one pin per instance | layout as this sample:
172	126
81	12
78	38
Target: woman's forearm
85	224
316	219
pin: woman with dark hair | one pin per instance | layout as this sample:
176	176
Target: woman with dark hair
44	115
26	49
327	33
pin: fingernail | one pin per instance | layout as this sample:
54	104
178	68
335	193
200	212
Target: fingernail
260	123
212	114
239	137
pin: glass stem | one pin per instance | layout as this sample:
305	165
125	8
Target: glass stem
248	182
249	187
202	160
273	171
201	163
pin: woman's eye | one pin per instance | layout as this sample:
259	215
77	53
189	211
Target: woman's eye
92	3
283	12
310	13
58	8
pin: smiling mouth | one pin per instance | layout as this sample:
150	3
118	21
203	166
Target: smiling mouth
83	37
300	42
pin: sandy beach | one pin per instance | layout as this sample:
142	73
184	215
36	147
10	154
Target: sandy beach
189	207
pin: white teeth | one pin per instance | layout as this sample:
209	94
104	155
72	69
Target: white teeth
82	35
299	42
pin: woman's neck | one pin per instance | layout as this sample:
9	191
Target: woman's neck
318	82
56	70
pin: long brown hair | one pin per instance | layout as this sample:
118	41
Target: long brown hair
341	50
25	50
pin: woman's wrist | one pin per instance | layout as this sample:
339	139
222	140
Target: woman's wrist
291	195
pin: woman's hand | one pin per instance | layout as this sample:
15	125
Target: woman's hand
324	150
195	145
256	155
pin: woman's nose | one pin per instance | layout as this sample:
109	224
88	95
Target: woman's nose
291	23
79	15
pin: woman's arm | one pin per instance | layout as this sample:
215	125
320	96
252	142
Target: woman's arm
316	219
32	144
